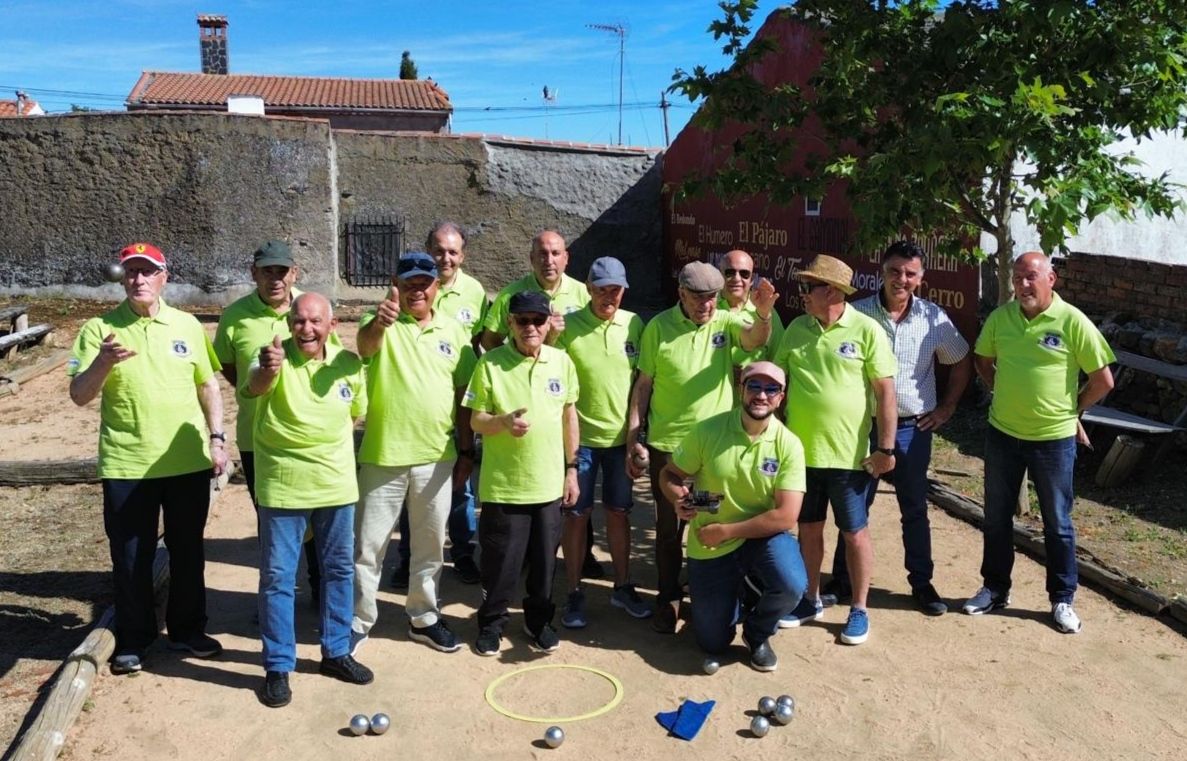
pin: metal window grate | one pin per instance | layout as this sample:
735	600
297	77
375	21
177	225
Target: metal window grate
371	248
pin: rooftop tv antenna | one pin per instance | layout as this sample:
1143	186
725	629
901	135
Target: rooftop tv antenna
620	30
549	98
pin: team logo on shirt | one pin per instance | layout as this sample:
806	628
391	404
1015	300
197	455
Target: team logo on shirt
465	316
72	365
769	466
344	392
469	396
445	349
1051	341
847	350
555	387
718	340
630	349
571	309
180	348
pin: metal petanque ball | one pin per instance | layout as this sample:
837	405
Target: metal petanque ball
783	715
710	666
380	723
785	700
766	705
554	736
759	726
359	724
113	273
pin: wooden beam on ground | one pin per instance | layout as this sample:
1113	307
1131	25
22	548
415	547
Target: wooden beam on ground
10	383
37	472
1090	568
16	338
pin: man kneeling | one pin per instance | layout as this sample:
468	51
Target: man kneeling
748	471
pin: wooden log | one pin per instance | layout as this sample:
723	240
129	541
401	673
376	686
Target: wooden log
10	383
1119	463
1178	609
10	313
19	337
34	472
20	323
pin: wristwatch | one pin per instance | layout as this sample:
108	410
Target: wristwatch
470	453
220	436
885	451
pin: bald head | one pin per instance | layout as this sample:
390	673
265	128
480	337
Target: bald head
549	258
737	267
311	320
1034	283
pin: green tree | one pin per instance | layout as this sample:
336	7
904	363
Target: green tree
407	66
950	121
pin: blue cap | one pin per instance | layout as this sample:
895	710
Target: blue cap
607	271
416	264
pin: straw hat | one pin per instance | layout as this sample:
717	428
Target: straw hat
828	269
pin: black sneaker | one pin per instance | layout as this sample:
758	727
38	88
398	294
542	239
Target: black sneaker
127	662
928	600
836	592
400	578
201	645
347	669
488	643
545	641
591	568
762	657
436	635
467	570
276	692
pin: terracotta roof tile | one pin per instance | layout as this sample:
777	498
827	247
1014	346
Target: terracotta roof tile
9	107
160	88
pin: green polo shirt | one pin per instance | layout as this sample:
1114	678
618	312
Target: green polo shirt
829	405
724	460
151	424
570	296
605	353
464	301
1038	367
750	313
411	386
529	469
245	327
691	367
304	430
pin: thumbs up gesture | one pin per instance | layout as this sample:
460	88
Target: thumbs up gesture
389	309
271	356
516	424
556	326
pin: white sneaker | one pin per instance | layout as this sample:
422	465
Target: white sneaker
1066	619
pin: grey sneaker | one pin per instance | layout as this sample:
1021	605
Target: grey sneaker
1066	619
984	601
574	615
628	599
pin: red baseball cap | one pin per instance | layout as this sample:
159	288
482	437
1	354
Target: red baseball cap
145	251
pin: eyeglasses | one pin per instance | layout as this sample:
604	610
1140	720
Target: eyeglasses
807	286
757	387
731	272
146	272
537	319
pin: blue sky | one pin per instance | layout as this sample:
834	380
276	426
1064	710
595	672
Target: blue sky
487	55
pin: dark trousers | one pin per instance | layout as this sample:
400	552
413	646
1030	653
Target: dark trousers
669	530
508	534
248	460
132	510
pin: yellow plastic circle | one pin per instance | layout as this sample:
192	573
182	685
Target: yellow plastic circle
614	701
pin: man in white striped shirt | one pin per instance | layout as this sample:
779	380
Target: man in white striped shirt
922	334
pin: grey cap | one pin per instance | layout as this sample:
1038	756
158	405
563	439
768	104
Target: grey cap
607	271
701	277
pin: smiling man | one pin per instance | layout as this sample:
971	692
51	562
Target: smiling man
1030	355
737	267
154	369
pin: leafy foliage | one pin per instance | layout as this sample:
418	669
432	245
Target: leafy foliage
407	66
951	120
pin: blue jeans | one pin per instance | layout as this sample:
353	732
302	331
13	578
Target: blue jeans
463	524
1050	464
281	532
715	585
912	455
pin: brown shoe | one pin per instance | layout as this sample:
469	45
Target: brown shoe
666	616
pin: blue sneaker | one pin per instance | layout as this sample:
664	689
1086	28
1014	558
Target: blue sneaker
807	610
857	628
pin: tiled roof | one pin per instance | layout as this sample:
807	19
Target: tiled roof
9	107
161	88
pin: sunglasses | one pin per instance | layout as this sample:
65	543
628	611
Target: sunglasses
524	320
807	287
731	272
757	387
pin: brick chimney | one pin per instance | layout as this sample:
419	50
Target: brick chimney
212	42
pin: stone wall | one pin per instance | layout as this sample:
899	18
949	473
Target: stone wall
1103	285
206	188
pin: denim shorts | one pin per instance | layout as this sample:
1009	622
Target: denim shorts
616	487
845	489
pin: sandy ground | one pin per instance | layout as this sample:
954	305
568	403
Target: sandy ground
1001	686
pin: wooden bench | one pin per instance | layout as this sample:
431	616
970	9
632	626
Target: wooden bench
16	316
28	335
1118	463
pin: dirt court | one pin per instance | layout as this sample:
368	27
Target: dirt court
1001	686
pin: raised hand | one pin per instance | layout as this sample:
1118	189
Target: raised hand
389	309
112	353
515	422
764	297
271	356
